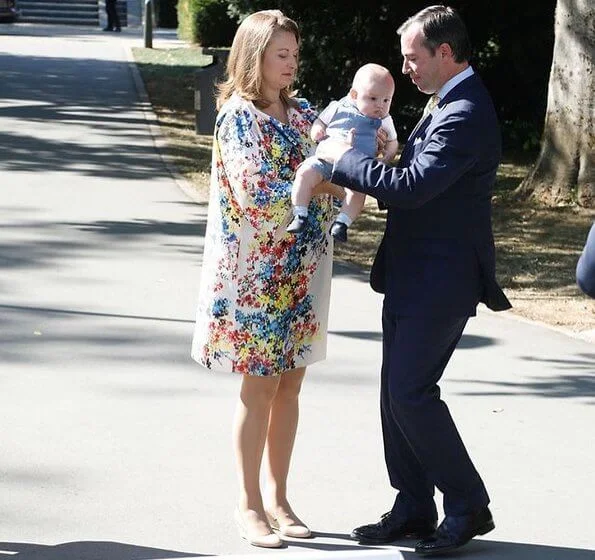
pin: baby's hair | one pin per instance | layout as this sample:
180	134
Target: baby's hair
369	72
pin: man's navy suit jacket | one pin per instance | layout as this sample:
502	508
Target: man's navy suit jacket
437	254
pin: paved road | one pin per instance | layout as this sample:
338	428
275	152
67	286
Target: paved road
115	446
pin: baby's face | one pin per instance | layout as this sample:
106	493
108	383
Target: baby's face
373	98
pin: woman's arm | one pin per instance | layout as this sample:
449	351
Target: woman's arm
248	171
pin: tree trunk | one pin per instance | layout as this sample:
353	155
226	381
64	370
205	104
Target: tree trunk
565	169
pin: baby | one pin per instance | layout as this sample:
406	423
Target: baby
365	110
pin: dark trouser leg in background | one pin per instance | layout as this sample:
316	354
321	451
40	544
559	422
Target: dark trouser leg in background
113	20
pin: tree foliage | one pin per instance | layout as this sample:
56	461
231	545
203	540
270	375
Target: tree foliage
512	51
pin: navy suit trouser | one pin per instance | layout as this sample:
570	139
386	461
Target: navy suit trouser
423	449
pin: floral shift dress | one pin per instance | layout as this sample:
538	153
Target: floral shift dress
264	293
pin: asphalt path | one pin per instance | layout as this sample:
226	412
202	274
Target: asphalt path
114	445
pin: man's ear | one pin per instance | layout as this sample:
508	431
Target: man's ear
445	51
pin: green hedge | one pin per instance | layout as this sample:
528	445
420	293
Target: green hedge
206	22
166	13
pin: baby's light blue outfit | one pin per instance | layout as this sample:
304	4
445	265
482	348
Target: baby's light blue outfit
346	117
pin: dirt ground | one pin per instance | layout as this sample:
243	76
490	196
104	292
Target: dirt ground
537	250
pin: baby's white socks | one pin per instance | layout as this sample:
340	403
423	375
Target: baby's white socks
344	219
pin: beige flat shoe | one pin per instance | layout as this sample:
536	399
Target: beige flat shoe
297	531
265	541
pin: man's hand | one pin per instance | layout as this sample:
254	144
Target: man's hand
331	150
325	187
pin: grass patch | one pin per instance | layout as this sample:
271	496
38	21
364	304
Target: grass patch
169	76
537	247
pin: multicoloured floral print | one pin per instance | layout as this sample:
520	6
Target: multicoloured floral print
263	301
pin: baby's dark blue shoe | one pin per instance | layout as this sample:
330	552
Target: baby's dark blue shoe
339	231
297	224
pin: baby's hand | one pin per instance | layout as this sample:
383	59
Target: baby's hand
381	140
318	135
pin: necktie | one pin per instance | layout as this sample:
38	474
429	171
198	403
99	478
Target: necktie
430	105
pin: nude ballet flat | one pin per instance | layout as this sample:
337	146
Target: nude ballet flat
297	531
265	541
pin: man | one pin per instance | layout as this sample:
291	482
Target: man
435	263
585	267
113	19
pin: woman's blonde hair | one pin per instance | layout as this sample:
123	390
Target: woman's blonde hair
244	65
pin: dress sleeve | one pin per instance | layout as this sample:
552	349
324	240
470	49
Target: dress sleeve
248	169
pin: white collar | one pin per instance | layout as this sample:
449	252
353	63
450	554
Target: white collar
455	81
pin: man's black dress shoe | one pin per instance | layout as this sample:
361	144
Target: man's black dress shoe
391	528
454	532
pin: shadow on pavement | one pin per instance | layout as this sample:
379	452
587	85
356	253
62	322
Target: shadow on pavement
30	334
579	384
351	271
47	310
43	251
105	550
89	550
484	549
143	227
468	341
80	94
495	550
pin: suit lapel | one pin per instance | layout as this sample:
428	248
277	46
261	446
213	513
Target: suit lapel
453	94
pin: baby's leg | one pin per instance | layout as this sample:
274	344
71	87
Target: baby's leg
306	178
350	209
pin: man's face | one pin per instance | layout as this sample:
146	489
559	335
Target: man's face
419	63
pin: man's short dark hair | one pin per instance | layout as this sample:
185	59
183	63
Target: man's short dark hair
441	24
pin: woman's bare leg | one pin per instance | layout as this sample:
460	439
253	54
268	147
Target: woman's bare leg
249	435
279	445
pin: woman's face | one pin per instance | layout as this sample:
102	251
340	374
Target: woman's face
280	61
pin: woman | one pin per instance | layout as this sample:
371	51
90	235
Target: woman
264	295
